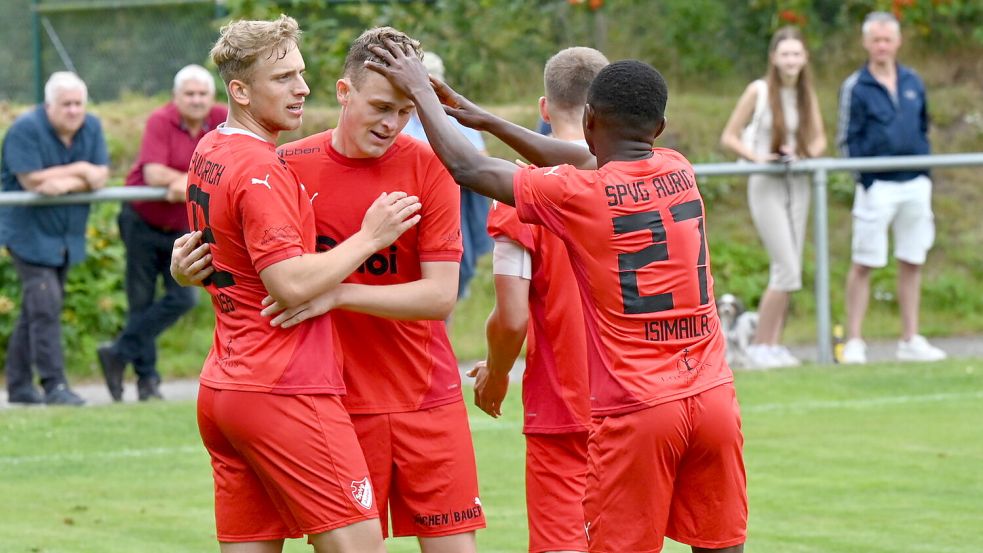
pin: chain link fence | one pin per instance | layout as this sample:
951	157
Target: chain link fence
116	46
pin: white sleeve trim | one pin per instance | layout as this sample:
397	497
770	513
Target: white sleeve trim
511	259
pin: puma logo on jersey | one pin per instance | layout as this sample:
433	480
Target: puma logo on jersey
362	492
314	196
553	171
265	182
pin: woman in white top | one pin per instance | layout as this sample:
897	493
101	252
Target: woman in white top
777	120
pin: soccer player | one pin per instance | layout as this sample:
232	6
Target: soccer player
285	458
534	280
665	453
404	388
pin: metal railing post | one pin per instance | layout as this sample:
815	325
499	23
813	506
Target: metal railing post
824	335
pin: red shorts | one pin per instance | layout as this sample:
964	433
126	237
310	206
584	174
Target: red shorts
422	466
284	465
556	474
673	470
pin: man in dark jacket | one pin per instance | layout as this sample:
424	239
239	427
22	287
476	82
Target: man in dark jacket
883	112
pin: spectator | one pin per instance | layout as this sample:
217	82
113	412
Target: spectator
884	112
54	149
780	118
474	207
149	230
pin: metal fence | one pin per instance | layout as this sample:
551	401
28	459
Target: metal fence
819	169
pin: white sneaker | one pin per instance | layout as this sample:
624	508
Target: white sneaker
761	356
854	352
918	349
784	356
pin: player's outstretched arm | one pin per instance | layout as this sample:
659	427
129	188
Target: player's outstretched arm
487	176
294	281
505	331
540	150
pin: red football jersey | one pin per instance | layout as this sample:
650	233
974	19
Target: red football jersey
554	385
389	366
254	213
637	241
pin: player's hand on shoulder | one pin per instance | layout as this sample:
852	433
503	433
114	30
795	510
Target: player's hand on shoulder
191	261
389	216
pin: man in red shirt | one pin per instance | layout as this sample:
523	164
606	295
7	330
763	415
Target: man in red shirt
534	280
285	458
149	229
404	388
665	453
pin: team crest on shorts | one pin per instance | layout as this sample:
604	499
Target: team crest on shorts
362	492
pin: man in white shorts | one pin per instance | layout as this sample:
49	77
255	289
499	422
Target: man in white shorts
883	112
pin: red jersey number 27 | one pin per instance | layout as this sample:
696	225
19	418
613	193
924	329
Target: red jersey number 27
630	263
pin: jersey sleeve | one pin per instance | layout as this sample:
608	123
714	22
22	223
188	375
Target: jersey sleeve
541	193
503	222
267	204
440	216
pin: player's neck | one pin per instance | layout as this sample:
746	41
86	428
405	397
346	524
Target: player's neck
241	119
569	133
620	149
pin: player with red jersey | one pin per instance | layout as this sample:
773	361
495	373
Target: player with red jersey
665	453
403	385
535	282
285	458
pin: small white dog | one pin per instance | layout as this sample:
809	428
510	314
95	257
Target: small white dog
739	326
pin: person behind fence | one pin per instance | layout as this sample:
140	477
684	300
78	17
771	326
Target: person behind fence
54	149
474	207
777	119
884	112
149	230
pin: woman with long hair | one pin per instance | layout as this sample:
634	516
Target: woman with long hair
777	120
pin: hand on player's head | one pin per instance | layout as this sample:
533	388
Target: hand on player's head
401	66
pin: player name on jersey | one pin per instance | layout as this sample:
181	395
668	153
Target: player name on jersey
677	329
209	172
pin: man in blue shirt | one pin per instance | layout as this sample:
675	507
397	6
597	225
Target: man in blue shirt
883	112
54	149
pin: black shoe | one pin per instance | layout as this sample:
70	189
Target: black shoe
112	369
62	395
28	395
148	388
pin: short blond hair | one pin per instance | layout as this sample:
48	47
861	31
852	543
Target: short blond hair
568	76
242	42
359	51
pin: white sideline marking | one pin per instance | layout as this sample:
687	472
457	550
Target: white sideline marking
118	454
863	403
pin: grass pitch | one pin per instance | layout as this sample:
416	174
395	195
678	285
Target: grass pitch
884	458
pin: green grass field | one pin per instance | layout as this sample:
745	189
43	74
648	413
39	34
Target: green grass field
884	458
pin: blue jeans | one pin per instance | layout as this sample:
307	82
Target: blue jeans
148	258
36	340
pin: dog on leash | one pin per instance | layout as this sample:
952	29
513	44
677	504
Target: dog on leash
739	326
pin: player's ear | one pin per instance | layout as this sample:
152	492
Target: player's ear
239	92
662	127
589	117
544	110
343	90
